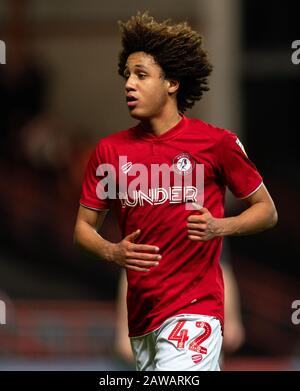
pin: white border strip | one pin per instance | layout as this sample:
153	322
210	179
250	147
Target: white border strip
252	191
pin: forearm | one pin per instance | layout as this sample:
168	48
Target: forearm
256	218
88	239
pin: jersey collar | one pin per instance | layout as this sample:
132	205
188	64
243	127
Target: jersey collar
169	134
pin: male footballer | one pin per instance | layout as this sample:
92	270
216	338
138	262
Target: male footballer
166	178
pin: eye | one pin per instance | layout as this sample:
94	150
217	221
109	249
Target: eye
141	75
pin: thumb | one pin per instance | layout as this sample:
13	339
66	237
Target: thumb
199	208
131	237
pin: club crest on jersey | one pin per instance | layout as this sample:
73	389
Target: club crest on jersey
183	164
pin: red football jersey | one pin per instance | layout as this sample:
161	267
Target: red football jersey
188	278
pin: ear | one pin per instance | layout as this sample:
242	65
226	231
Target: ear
173	86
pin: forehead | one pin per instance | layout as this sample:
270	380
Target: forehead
141	60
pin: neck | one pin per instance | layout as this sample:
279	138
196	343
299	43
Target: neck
161	124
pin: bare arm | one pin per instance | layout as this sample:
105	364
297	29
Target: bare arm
86	236
138	257
260	215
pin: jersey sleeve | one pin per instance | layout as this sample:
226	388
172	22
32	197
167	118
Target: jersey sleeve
90	186
237	170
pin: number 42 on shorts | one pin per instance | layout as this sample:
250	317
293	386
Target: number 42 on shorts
180	335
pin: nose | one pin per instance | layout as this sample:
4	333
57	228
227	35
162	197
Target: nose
130	84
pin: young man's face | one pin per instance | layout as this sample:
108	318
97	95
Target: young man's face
147	91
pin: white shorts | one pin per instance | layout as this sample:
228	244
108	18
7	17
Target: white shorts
184	342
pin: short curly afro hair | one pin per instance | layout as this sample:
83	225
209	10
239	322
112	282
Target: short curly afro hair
175	47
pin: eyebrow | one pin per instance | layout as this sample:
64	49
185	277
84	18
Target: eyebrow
136	66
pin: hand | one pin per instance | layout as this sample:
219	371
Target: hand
132	256
202	227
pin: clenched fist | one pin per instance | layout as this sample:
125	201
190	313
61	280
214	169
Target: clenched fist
202	226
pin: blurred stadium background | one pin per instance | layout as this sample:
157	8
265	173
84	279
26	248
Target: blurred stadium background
59	93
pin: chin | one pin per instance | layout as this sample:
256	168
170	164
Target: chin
136	115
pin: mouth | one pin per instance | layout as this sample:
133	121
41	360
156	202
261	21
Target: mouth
131	100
